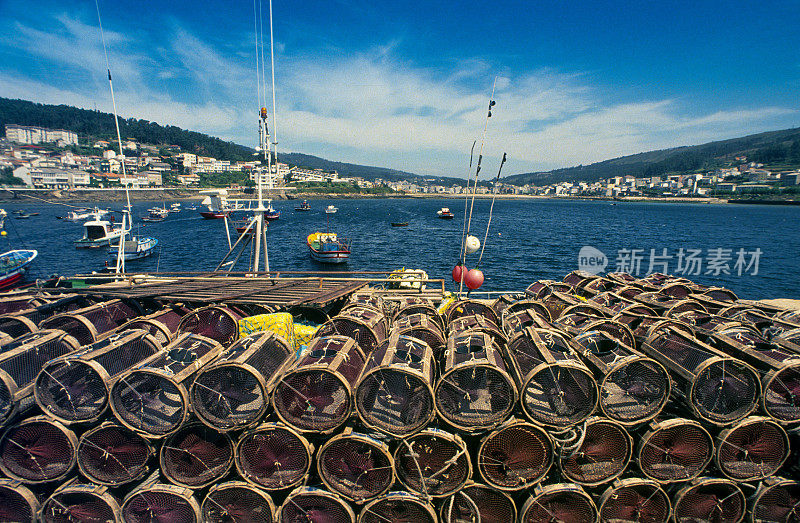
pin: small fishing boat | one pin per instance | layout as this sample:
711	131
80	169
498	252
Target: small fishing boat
216	204
399	224
13	265
79	215
330	209
135	248
150	218
22	215
98	233
326	247
303	206
445	213
271	213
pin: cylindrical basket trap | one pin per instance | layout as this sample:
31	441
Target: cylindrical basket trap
777	500
559	502
423	328
555	386
232	392
753	449
719	389
395	392
517	320
780	368
77	501
674	450
75	388
237	501
709	499
196	456
20	362
215	322
475	391
17	502
397	506
89	324
365	325
310	504
463	308
635	499
633	388
417	306
476	322
37	450
544	288
515	456
154	501
603	454
162	324
273	456
476	502
315	393
152	398
433	463
356	466
113	455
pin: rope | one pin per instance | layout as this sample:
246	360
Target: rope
491	209
51	203
466	202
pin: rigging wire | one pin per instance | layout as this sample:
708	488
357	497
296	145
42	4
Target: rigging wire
475	186
274	110
491	209
258	70
120	266
466	201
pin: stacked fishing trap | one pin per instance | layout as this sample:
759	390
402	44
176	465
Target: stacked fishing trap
596	398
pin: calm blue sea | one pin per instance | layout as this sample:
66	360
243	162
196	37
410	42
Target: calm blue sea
528	240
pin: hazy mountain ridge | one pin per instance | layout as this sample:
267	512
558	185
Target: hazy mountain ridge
769	147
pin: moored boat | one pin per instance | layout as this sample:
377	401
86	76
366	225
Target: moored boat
135	248
445	213
14	264
326	247
98	233
330	209
271	213
399	224
216	204
303	206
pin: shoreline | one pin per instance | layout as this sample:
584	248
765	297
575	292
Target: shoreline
8	195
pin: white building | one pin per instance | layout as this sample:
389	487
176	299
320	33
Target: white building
49	178
32	135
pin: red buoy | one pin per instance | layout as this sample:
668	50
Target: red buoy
459	273
474	279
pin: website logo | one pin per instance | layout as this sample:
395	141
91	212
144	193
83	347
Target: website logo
591	260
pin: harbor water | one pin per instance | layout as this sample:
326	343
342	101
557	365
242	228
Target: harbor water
754	250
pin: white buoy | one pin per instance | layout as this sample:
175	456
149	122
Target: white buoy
472	244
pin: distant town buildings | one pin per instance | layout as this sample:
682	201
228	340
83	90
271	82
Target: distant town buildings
34	135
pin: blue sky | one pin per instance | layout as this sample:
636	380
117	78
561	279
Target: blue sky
405	84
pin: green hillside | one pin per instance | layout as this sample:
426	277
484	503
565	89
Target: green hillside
779	149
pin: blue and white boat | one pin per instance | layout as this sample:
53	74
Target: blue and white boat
14	264
135	248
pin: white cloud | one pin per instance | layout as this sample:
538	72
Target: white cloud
370	107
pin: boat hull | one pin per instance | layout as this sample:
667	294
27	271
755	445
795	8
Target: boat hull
329	256
213	215
94	244
13	274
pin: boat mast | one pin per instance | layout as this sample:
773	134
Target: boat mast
126	215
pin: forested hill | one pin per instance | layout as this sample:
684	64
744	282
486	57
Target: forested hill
774	147
95	124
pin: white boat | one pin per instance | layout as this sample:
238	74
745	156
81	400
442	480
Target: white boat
98	233
135	248
330	209
79	215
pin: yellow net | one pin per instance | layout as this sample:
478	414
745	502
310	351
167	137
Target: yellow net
280	323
